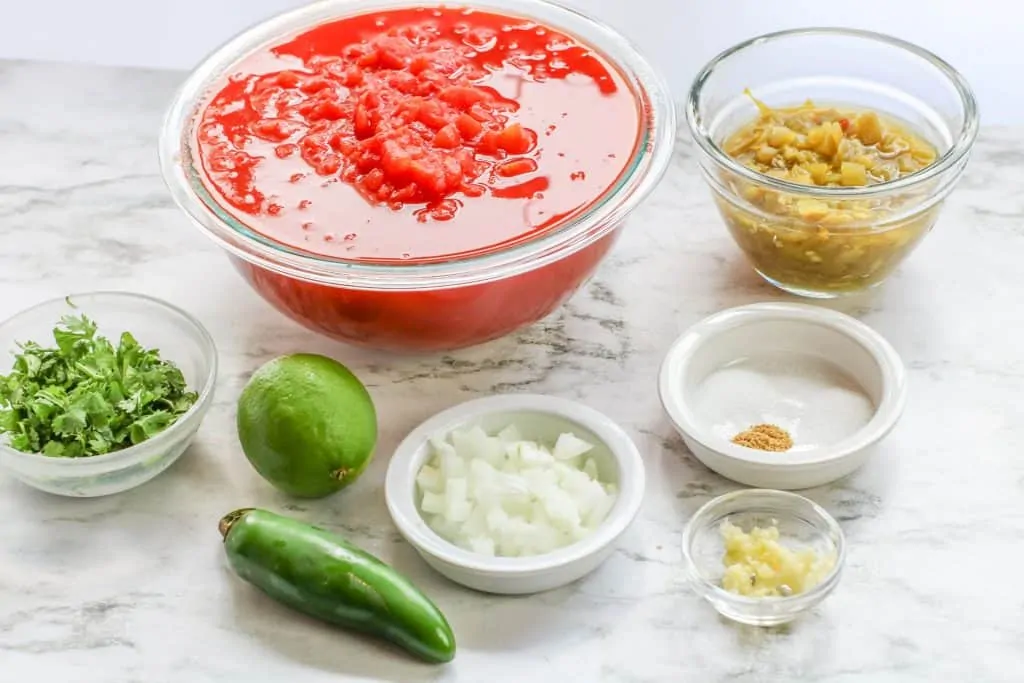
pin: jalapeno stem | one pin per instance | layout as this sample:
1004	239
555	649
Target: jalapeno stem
229	520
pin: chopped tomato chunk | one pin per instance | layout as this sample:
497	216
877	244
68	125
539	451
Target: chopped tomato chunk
515	167
314	85
463	97
448	137
287	79
468	126
275	130
516	140
490	143
327	109
362	123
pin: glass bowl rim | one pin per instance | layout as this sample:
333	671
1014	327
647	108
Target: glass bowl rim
161	440
641	174
803	600
954	155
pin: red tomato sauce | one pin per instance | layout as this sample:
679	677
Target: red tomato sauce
417	134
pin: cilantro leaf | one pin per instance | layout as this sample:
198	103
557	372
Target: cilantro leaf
85	397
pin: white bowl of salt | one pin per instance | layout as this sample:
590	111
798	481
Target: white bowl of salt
782	395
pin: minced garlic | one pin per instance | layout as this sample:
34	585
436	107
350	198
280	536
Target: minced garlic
758	566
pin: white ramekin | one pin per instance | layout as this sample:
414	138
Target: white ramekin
741	333
537	417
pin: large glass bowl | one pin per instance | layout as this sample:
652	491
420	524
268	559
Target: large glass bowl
881	224
180	339
422	306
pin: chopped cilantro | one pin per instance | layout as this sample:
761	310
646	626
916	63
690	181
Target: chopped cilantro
85	397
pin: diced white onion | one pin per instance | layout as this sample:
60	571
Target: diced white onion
569	446
507	496
429	479
482	545
510	434
433	503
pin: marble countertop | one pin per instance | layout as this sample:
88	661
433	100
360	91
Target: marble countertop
980	38
134	587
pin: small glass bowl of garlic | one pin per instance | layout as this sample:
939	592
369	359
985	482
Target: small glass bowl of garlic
763	557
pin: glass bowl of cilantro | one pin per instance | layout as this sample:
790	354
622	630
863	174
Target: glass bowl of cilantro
101	392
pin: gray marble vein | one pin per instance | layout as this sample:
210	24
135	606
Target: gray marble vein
134	587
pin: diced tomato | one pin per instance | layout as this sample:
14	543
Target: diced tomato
405	82
445	210
419	64
478	112
466	161
516	140
405	194
373	180
394	159
428	176
468	126
432	114
286	150
287	79
480	38
370	98
275	130
342	144
448	137
464	97
431	82
392	51
314	144
330	165
452	173
368	60
514	167
353	77
367	161
314	85
329	110
489	143
362	123
390	60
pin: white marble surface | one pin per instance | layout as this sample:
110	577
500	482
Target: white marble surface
134	587
980	37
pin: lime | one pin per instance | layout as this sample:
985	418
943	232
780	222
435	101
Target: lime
307	425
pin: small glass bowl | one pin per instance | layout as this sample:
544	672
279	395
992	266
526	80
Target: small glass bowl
801	523
866	232
179	337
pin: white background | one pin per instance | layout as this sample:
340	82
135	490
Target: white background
982	38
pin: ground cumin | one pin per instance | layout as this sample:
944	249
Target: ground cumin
765	437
